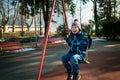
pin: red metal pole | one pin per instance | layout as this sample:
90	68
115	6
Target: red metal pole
45	43
65	17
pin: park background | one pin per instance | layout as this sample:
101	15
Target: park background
20	19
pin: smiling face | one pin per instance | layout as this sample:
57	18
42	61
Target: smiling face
75	29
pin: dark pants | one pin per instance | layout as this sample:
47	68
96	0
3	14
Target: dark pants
71	62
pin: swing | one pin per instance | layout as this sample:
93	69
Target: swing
46	37
68	31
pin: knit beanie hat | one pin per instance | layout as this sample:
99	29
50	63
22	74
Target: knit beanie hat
76	23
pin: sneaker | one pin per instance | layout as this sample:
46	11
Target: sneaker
76	77
85	61
69	78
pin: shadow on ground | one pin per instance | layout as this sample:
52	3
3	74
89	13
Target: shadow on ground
104	66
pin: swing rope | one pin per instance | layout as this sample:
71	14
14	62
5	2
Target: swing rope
45	43
65	17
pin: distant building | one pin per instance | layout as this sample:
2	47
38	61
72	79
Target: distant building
19	28
32	29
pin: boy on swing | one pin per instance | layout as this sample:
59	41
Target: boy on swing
78	45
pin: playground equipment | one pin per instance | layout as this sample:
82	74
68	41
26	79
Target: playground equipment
46	37
7	46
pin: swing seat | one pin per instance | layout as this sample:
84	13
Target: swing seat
84	61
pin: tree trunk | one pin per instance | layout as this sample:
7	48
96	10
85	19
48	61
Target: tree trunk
29	25
40	19
15	15
22	25
5	16
96	18
13	28
109	10
114	10
22	19
0	31
45	13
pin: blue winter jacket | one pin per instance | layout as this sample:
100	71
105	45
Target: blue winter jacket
77	42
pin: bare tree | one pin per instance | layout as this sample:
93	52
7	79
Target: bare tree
0	31
22	11
16	10
0	19
30	23
5	14
95	16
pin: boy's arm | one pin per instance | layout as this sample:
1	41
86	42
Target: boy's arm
68	41
84	43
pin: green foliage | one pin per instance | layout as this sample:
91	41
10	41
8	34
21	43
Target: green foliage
111	29
27	7
61	30
29	33
17	34
107	10
86	28
11	35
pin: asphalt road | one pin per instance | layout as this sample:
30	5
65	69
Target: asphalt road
24	65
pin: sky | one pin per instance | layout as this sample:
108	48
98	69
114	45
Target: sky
86	11
86	15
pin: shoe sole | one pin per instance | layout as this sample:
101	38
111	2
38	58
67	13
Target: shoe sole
79	78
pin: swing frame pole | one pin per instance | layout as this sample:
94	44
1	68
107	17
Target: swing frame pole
65	17
45	43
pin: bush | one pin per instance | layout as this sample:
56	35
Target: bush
61	30
111	29
11	35
17	34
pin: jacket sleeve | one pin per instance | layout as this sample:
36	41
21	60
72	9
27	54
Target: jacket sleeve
68	41
84	43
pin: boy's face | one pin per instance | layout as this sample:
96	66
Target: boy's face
75	29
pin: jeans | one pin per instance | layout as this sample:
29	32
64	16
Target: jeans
71	62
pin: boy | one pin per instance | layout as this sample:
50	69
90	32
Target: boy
78	46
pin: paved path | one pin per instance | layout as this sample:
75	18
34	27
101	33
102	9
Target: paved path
24	66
